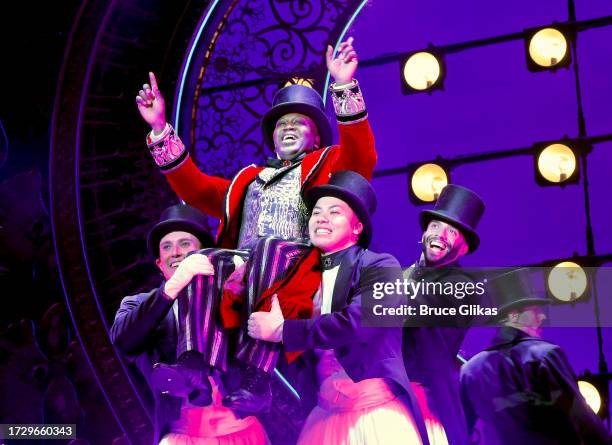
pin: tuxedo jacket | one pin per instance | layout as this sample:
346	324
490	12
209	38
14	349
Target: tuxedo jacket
524	391
430	353
363	352
144	330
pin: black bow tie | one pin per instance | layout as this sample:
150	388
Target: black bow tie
280	163
332	260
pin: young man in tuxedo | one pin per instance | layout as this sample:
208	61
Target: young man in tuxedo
364	393
145	331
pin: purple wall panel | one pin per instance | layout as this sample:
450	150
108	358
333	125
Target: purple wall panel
492	102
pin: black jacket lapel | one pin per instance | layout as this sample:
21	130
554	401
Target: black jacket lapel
343	280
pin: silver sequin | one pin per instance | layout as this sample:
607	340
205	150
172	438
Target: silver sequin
273	207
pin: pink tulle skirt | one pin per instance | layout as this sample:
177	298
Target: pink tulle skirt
214	425
252	435
366	413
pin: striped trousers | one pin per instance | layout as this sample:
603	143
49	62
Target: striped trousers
199	322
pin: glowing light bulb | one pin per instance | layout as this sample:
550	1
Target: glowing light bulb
565	166
437	184
556	163
428	181
567	281
422	70
547	47
590	394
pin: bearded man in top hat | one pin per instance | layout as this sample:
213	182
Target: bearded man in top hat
522	387
364	394
259	203
145	331
430	346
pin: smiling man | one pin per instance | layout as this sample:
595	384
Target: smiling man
329	233
145	327
430	346
443	244
295	134
364	395
260	204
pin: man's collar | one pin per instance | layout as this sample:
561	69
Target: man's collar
421	263
331	260
421	269
280	163
509	335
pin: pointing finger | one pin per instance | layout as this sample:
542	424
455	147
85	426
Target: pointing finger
153	80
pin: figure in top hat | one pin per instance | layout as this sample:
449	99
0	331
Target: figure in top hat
145	327
258	205
522	387
430	346
364	395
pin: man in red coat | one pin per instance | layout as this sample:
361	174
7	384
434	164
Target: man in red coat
261	203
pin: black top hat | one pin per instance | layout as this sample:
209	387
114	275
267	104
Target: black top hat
460	207
183	218
297	99
356	191
513	290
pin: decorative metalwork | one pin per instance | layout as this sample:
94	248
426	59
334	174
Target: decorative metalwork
102	212
261	45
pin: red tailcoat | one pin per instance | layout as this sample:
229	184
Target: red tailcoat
223	199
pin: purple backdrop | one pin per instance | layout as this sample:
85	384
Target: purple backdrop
492	102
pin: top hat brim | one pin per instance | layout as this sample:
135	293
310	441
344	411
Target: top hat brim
268	122
471	237
351	199
177	225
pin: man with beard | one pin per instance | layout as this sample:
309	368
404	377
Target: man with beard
258	204
145	331
523	388
430	345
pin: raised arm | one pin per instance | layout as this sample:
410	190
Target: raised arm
197	189
356	147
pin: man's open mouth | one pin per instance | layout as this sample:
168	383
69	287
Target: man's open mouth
437	245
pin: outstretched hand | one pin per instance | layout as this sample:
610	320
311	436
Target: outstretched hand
343	67
151	105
